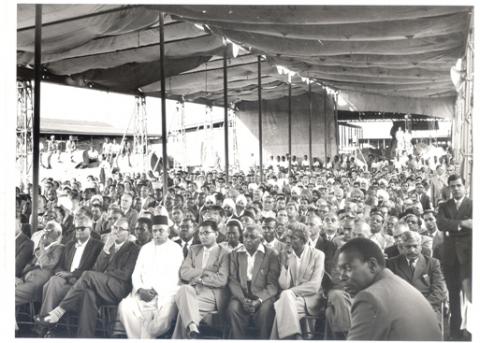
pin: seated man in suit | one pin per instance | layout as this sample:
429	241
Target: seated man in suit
254	271
398	230
205	270
35	274
422	272
385	306
23	248
78	255
148	311
107	283
301	273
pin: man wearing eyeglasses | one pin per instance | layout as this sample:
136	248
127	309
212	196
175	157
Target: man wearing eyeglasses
205	272
79	255
107	283
148	311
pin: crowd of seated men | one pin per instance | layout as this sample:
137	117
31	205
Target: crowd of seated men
260	255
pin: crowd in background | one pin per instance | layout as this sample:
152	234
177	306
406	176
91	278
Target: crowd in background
212	233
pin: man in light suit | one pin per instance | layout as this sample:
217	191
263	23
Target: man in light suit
47	255
385	306
78	255
269	226
422	272
253	283
205	270
455	220
23	248
108	282
301	273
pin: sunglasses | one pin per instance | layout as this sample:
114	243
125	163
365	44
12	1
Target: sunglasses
205	233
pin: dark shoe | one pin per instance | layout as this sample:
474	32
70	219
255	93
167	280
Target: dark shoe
308	336
40	320
193	334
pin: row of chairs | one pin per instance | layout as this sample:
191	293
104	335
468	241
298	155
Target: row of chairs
213	325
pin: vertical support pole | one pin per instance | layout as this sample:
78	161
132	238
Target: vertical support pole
310	125
225	108
337	139
36	115
289	129
260	124
325	139
164	107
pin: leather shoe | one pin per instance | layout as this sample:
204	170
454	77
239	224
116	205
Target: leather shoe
308	336
193	334
40	320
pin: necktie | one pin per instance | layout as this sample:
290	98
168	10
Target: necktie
412	266
185	249
206	253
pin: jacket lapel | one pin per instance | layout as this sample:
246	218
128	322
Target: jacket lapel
419	267
242	268
405	268
304	266
257	264
86	253
199	258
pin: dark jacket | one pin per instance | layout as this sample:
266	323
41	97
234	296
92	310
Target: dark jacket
89	256
23	253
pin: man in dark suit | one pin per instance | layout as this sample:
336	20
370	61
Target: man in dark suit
437	236
23	248
79	255
205	272
385	306
108	282
254	271
422	272
422	196
455	219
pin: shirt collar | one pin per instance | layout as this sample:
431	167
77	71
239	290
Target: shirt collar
260	248
78	244
459	201
209	249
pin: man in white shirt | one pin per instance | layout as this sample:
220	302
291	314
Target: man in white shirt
148	311
254	271
269	226
205	272
79	255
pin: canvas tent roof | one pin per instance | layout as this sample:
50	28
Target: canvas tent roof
380	58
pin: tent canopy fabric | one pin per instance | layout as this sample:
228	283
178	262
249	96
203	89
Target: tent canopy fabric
380	58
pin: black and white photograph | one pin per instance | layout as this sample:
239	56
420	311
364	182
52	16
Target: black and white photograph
219	171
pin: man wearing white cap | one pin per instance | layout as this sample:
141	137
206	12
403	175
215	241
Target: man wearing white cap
148	311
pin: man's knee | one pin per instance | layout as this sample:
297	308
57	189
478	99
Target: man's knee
287	295
182	292
338	297
234	307
266	308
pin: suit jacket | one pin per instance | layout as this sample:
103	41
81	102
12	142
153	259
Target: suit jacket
457	244
23	253
427	277
309	283
218	264
329	248
278	246
44	262
425	201
392	309
119	265
266	269
437	245
89	256
392	251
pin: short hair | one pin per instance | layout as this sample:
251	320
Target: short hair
411	236
364	248
217	208
301	229
254	227
54	226
145	220
429	211
455	177
211	223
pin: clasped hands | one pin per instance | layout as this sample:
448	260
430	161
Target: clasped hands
146	295
199	280
251	306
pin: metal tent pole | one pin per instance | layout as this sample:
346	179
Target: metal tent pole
225	109
289	129
260	126
164	106
36	114
310	125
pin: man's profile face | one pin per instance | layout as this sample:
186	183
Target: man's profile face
355	273
430	221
